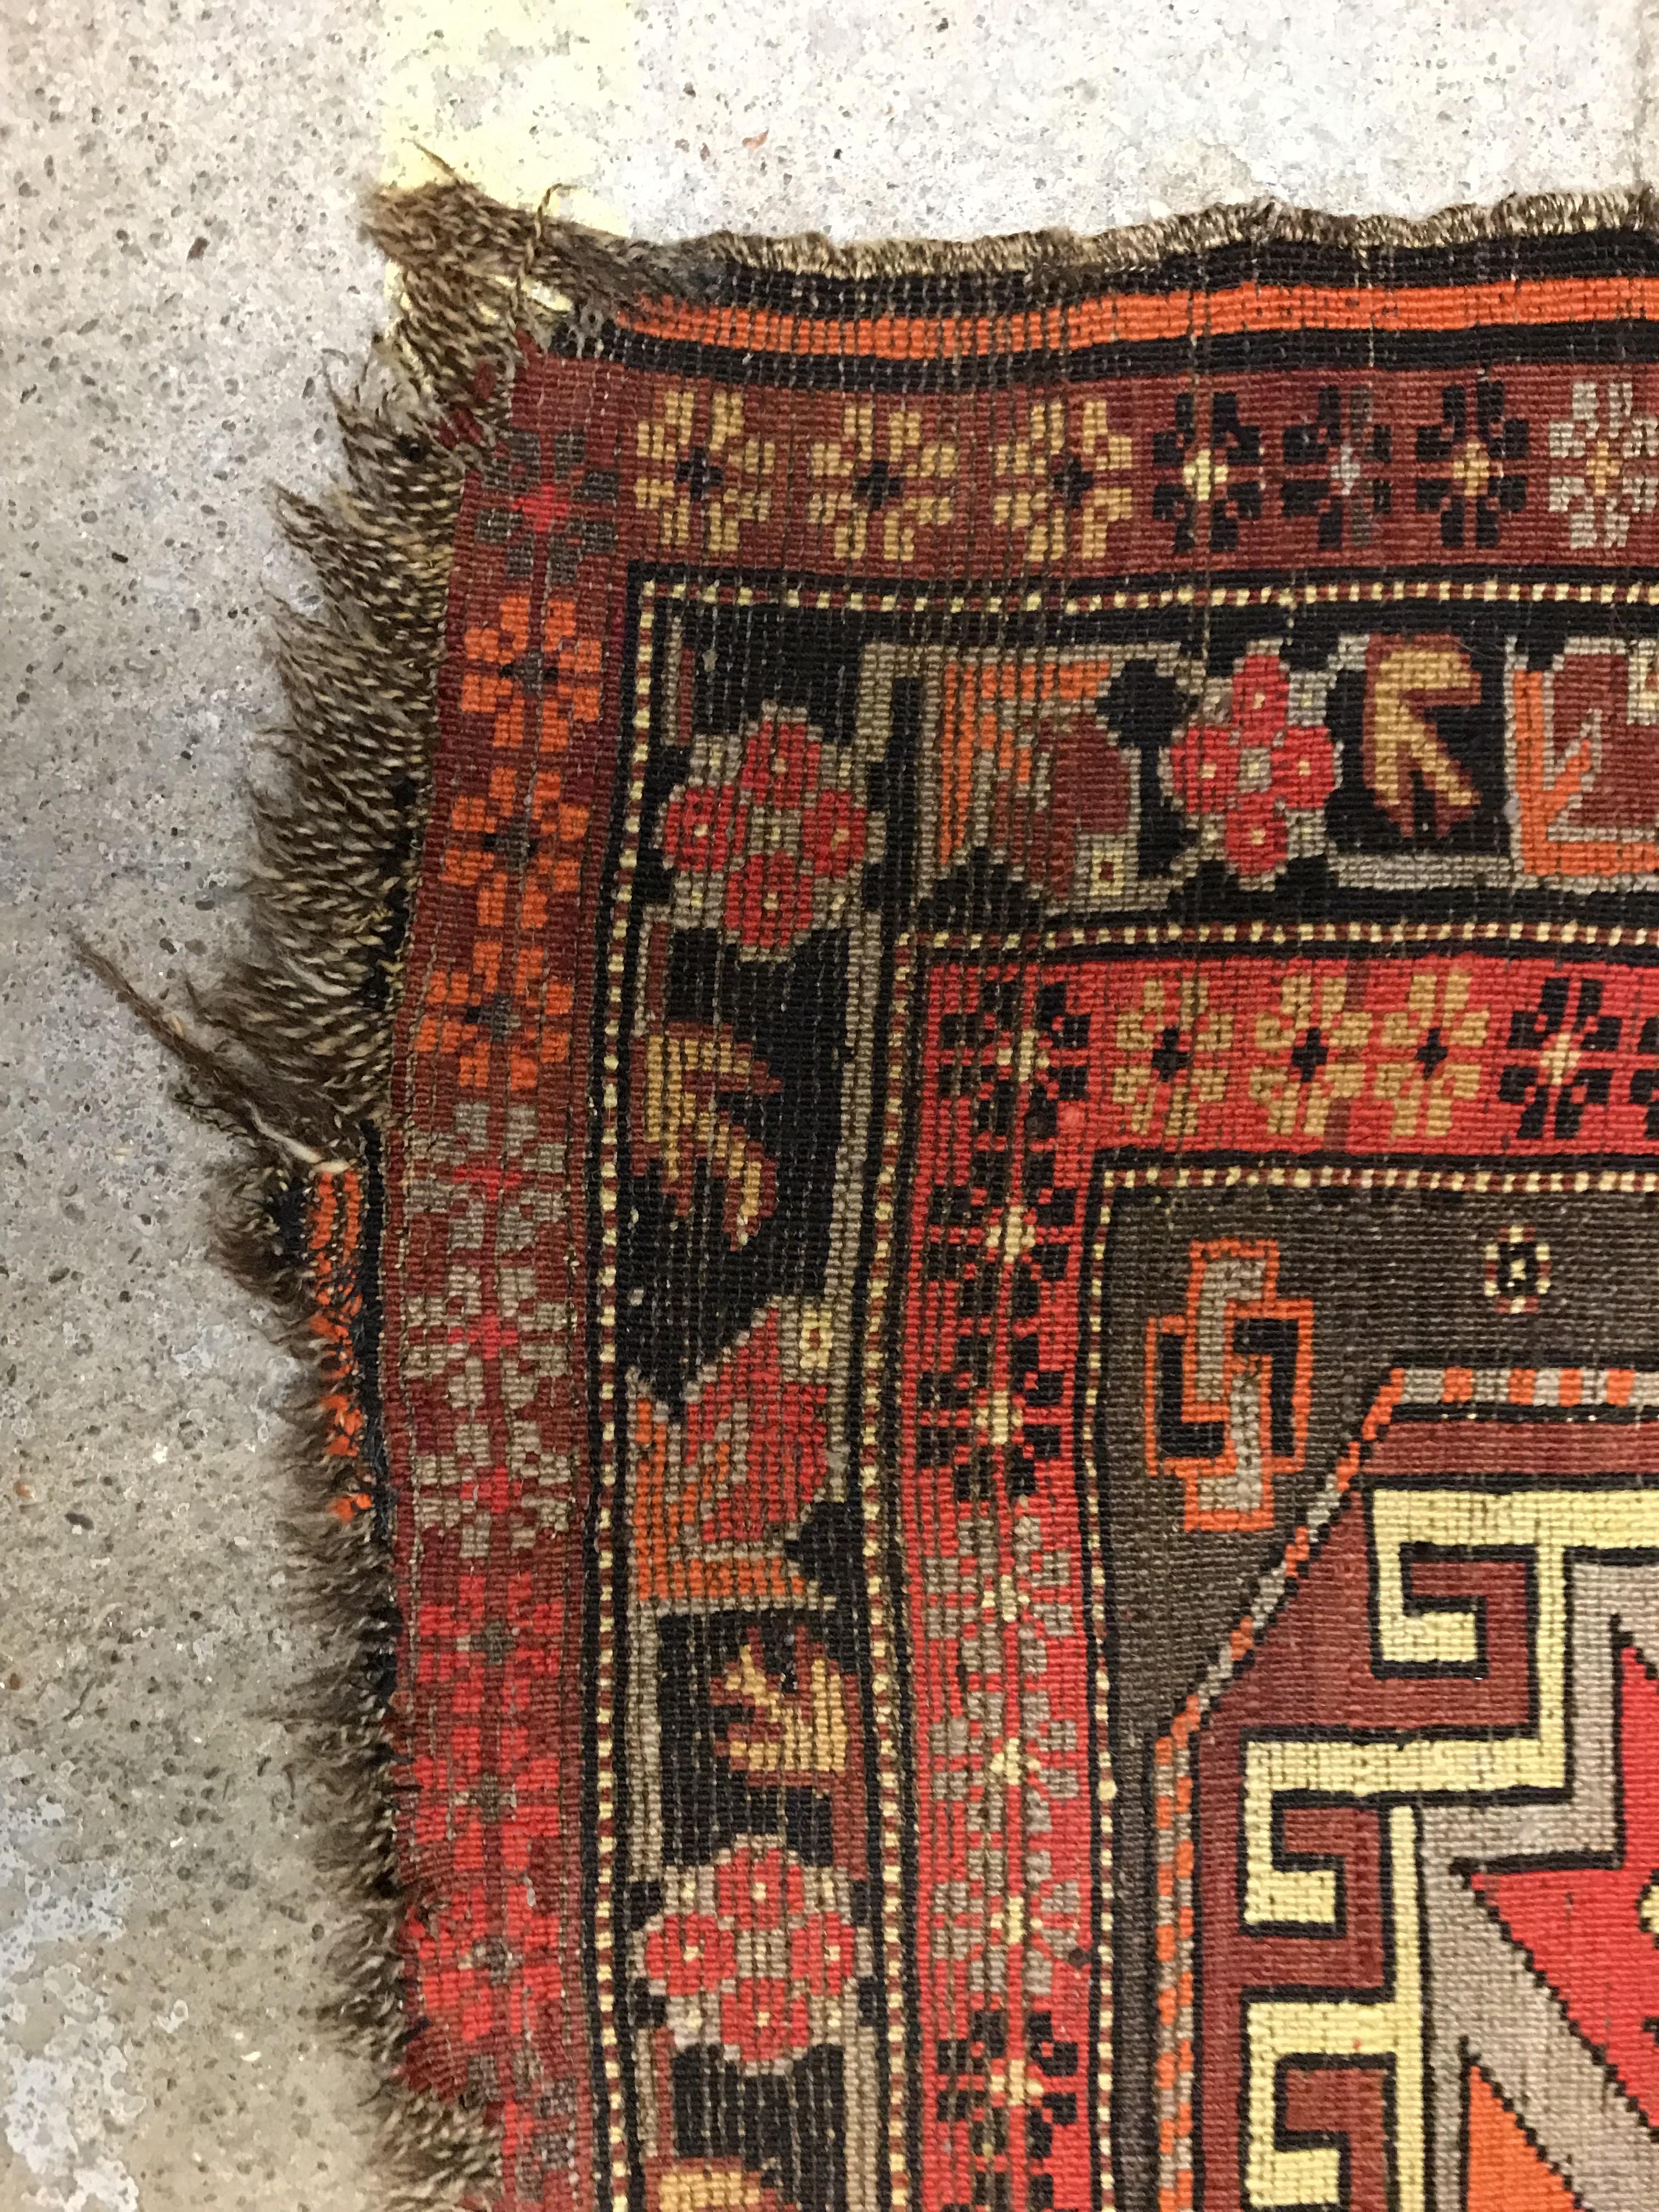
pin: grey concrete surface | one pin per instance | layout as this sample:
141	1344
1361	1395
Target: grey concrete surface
179	266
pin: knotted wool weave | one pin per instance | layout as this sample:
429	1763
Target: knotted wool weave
957	1059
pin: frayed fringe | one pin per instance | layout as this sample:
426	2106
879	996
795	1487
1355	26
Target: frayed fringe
308	1016
430	2152
293	1051
452	226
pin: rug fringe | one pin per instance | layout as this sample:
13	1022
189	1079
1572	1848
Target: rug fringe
450	225
291	1052
311	1010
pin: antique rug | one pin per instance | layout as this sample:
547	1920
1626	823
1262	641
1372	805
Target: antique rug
957	1052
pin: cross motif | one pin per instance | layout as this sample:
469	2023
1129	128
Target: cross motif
1310	1056
1072	483
1170	1056
1431	1053
879	484
698	474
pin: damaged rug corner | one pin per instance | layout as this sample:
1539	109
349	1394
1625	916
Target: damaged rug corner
962	993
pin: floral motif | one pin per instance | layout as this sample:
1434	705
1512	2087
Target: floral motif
757	1954
1438	1036
1215	480
1256	783
1311	1046
1337	463
536	685
701	484
509	854
1468	463
472	1011
555	497
1177	1066
1566	1067
880	480
764	837
1062	484
1603	442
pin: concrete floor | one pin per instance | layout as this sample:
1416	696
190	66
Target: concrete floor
181	272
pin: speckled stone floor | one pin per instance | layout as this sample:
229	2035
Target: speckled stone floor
180	274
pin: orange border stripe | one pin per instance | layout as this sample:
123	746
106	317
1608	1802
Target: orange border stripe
1123	317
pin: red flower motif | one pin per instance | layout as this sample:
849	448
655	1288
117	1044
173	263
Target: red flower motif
823	1957
1243	782
690	1953
1255	836
768	901
700	827
1261	698
759	1889
763	846
1204	761
1306	767
765	2022
832	836
765	1972
780	761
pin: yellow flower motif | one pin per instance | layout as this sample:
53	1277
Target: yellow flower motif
1176	1051
879	482
1433	1031
702	485
1310	1048
1056	477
